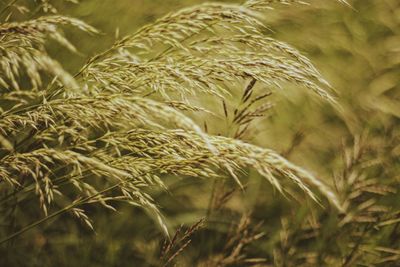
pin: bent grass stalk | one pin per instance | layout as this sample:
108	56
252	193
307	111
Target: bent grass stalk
59	212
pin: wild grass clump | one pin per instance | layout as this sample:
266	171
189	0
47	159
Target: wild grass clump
108	128
125	124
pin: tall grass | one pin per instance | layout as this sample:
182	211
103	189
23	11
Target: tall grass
126	124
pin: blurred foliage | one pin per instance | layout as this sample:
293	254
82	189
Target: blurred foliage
355	147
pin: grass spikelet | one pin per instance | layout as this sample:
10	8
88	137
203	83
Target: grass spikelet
197	58
22	49
233	154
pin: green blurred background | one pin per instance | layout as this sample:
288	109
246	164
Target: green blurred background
356	48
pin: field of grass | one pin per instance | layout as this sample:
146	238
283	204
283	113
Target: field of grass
197	133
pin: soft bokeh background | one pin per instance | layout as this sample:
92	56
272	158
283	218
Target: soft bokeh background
356	48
